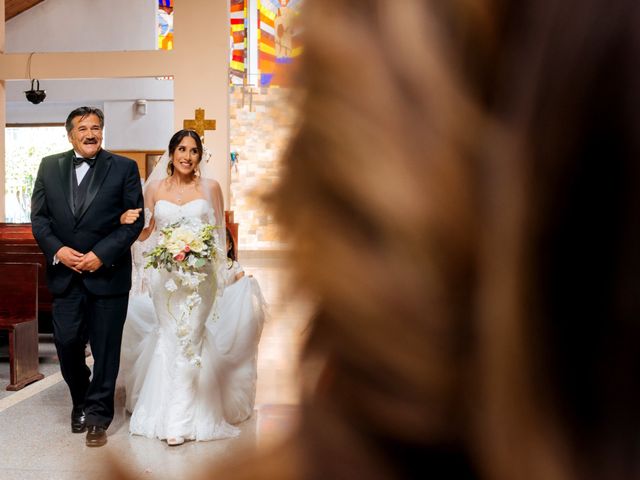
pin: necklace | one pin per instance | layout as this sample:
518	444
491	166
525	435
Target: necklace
181	190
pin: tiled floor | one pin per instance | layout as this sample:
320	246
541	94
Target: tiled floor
35	438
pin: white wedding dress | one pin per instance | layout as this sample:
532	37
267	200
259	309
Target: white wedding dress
169	394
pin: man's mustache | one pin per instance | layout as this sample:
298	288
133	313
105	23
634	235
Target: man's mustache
90	141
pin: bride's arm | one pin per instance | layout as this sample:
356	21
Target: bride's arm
146	232
218	202
213	193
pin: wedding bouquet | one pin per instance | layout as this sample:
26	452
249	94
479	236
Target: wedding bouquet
183	248
186	245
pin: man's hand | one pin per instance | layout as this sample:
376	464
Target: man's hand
89	263
70	257
130	216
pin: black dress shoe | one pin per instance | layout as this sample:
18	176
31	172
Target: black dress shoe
96	436
78	420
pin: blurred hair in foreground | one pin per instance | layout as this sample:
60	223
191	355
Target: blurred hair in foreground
463	198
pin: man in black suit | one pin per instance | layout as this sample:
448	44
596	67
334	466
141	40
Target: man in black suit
75	215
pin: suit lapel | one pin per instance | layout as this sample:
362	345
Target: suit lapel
101	168
66	176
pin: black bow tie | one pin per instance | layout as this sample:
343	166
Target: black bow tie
77	161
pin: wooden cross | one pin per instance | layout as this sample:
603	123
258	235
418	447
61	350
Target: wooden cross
199	125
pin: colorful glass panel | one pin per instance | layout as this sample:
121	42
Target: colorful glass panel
165	24
238	37
278	42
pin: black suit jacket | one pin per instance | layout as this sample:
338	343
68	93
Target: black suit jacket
113	188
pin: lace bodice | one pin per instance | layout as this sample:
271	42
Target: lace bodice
166	212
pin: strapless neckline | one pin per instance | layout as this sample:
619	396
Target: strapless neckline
183	204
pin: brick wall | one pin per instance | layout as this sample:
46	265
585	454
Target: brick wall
260	126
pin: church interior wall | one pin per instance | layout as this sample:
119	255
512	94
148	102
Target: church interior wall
261	122
150	131
203	33
125	127
26	113
97	26
256	125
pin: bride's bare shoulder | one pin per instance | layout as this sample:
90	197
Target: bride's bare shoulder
154	186
210	185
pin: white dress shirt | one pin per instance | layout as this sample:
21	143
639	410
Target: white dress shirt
82	169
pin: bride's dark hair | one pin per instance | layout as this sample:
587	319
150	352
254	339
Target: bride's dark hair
175	141
231	249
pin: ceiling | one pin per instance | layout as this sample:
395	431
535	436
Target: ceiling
16	7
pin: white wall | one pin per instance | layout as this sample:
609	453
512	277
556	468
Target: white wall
201	29
99	89
46	112
116	97
83	25
141	132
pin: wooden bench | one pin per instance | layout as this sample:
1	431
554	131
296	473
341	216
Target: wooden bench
45	299
18	245
19	316
15	230
12	246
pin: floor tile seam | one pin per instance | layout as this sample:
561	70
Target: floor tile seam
34	389
41	469
47	473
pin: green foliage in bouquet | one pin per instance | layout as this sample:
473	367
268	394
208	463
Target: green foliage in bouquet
185	245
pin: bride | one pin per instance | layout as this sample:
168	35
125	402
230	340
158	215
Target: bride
179	384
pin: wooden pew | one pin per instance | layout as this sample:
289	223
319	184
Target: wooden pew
18	245
15	230
19	316
45	299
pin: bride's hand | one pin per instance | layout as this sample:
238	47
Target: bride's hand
130	216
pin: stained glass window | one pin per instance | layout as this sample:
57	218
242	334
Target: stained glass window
165	24
238	37
278	42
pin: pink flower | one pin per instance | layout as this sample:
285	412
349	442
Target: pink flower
179	256
187	249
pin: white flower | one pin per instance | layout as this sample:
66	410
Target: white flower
183	249
182	331
192	280
184	309
193	300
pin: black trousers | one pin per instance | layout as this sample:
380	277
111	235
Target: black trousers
78	317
